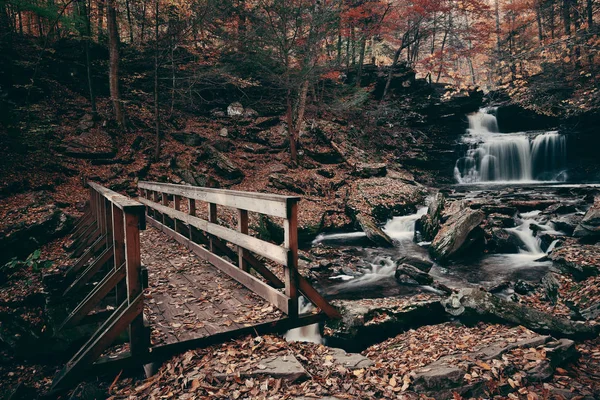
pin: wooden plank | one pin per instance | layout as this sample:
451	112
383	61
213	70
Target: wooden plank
81	228
265	249
99	342
264	203
290	225
242	228
263	271
90	271
268	293
315	297
94	297
88	238
168	315
134	284
216	303
82	219
123	202
85	257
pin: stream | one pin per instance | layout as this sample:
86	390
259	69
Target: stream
524	168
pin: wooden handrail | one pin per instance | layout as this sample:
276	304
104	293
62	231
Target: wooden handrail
264	203
115	198
265	249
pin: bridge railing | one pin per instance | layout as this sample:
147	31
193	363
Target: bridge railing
207	239
107	243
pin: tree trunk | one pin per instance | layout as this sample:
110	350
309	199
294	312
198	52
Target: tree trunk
290	126
391	71
113	45
353	38
129	23
551	17
437	79
143	27
156	110
86	31
538	18
361	59
590	14
100	27
567	16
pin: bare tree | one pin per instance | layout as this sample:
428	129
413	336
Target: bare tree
113	45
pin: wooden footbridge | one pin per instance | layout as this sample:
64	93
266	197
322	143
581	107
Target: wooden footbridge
201	288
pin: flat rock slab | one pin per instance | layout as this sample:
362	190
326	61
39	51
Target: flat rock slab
350	360
285	367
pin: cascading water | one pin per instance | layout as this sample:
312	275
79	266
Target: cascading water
493	156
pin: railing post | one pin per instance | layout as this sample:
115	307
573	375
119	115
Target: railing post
165	202
177	205
119	249
191	211
242	228
212	217
290	225
131	223
155	199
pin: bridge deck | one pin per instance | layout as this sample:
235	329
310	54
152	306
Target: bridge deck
190	299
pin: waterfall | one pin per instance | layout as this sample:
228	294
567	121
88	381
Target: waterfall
494	156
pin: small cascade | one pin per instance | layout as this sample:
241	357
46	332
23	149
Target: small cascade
402	228
497	157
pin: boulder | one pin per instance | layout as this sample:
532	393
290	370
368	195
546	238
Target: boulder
324	154
446	377
500	240
285	182
499	209
86	123
478	304
456	235
579	260
197	179
592	312
21	239
285	367
223	132
93	144
373	232
349	361
250	113
429	224
223	165
235	110
414	274
567	223
369	170
326	173
589	227
188	138
383	197
417	262
368	321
